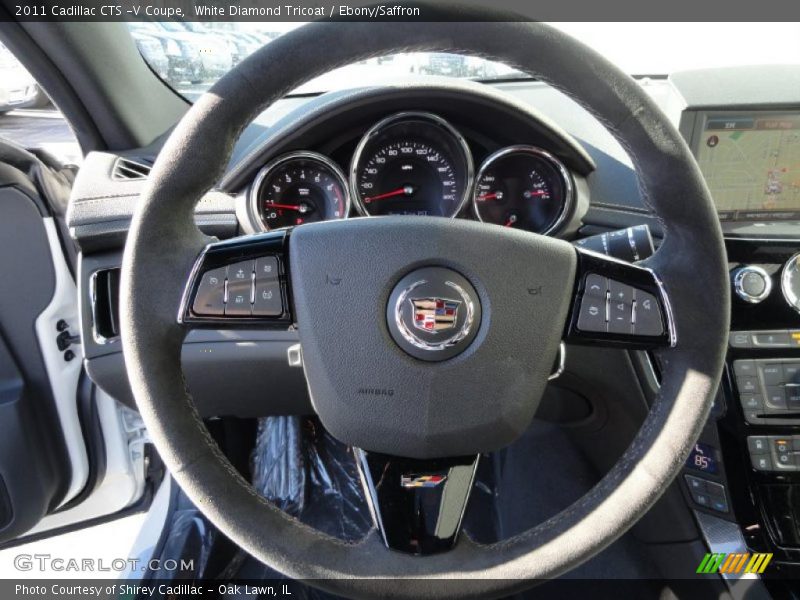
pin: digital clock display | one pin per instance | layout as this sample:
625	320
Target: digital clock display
703	458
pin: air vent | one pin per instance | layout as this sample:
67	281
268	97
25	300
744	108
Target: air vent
127	170
105	305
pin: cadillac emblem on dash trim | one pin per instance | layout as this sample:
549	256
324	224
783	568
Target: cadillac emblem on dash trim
422	481
434	314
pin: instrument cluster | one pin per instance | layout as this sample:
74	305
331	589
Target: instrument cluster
416	163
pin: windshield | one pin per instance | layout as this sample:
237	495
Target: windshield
192	56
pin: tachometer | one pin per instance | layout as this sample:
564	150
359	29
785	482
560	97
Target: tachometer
411	164
523	187
298	188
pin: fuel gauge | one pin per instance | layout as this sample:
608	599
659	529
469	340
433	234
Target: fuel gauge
523	187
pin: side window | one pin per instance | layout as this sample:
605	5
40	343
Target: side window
28	117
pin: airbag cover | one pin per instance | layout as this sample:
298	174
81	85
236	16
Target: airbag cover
369	392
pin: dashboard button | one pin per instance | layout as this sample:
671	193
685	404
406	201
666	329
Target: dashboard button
268	301
748	385
752	402
753	416
775	398
740	339
785	461
758	444
771	339
719	504
715	489
695	483
782	445
752	284
210	296
791	372
745	368
793	398
761	462
773	373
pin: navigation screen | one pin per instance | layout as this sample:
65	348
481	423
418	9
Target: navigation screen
752	166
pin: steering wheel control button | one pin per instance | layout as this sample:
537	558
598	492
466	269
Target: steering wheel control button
596	286
620	308
592	315
752	284
210	297
240	271
433	313
268	301
611	306
239	301
239	282
647	315
266	269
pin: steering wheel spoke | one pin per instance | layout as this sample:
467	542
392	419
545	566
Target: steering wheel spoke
619	304
417	504
242	282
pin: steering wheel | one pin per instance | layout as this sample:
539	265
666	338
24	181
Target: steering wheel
425	341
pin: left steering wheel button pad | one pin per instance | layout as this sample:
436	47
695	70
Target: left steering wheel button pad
244	288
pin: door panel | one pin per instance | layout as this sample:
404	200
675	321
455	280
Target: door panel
34	464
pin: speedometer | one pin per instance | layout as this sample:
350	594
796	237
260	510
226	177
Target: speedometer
411	164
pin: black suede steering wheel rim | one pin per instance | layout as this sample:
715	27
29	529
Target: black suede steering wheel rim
163	243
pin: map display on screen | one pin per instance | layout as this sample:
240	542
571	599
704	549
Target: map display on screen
752	165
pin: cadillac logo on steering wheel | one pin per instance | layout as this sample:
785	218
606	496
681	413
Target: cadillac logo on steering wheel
433	313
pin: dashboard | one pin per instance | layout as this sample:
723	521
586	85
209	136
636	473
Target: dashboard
416	162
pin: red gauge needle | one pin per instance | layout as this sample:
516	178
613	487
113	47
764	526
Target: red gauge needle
534	193
303	208
492	196
511	220
403	191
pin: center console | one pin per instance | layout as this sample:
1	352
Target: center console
746	467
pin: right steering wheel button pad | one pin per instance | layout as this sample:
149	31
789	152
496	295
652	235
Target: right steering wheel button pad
610	306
